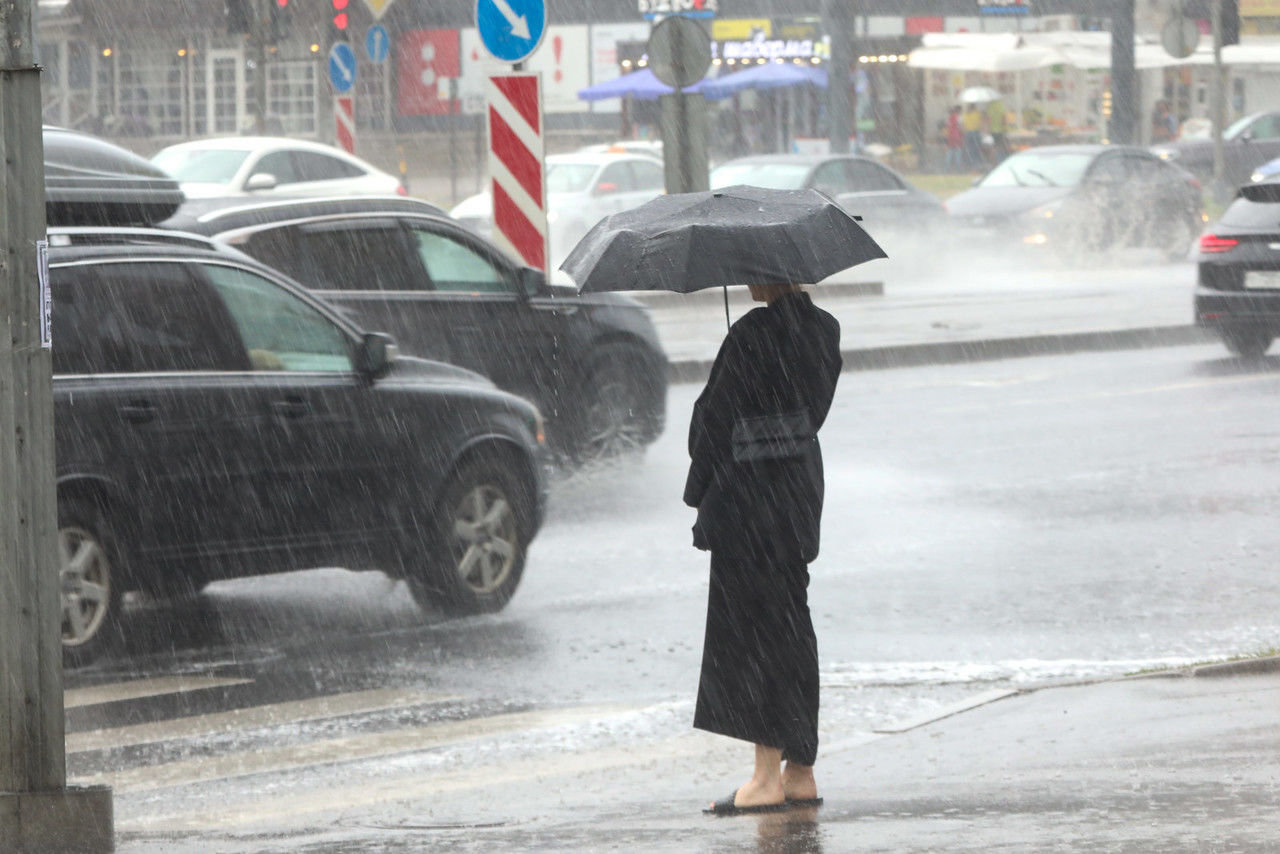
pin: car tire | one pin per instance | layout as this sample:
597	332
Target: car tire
612	420
91	581
1246	343
476	551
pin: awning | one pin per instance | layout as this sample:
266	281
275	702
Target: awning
1022	52
642	85
769	75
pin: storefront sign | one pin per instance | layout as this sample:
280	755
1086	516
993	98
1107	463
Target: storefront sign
741	29
1004	7
762	47
423	59
688	8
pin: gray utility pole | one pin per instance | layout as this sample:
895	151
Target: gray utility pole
38	813
837	19
1217	100
1124	90
258	35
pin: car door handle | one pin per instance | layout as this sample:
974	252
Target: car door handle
291	407
565	310
138	411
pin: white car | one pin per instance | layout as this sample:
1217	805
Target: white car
582	189
255	165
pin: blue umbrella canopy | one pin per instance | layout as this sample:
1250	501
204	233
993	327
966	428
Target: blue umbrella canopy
770	75
641	84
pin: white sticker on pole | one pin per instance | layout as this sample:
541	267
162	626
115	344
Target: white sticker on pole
46	297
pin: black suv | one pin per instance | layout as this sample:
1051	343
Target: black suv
214	420
1238	294
592	364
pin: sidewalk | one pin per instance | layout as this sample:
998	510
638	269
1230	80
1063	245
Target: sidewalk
891	320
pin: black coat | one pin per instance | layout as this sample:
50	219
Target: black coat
774	360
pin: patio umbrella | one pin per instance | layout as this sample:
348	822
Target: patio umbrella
770	75
642	85
735	236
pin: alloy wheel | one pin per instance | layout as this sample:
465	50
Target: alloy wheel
85	583
485	525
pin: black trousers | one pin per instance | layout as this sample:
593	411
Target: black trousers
759	678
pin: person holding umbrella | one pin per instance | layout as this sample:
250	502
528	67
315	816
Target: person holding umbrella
755	474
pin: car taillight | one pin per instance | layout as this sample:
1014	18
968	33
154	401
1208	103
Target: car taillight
1193	181
401	191
1214	243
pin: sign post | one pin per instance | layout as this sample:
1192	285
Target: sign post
517	167
342	77
679	55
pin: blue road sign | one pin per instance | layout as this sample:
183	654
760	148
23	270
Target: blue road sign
342	67
377	43
511	30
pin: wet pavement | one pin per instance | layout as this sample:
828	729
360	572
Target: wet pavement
993	526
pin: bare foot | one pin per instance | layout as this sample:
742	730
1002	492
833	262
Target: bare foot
798	782
755	793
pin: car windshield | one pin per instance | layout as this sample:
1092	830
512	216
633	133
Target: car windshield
1237	127
771	176
569	177
201	165
1039	169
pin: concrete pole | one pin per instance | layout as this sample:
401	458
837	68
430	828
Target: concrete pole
258	35
1217	99
37	812
1124	91
837	20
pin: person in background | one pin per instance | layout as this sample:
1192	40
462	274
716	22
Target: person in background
955	141
971	122
1164	127
998	127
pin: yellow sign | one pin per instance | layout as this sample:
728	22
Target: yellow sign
377	7
739	29
1260	8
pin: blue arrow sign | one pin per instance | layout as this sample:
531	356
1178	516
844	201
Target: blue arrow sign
342	67
511	30
377	43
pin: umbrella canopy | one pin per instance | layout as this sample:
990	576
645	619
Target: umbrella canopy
734	236
979	95
770	75
642	85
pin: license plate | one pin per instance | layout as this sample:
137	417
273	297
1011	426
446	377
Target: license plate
1262	280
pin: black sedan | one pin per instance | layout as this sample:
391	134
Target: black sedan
214	421
1061	200
1238	294
593	364
1246	144
892	210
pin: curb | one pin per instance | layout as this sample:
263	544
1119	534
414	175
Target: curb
989	349
1243	667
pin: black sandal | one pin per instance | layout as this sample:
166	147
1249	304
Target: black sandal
727	807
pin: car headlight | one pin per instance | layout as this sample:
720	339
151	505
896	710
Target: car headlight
1046	211
1167	154
1257	176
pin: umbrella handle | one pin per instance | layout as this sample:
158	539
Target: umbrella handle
726	306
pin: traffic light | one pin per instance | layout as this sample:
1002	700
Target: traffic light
239	15
338	24
280	12
1230	22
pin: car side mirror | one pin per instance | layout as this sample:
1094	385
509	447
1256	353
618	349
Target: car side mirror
375	354
261	181
1246	135
532	281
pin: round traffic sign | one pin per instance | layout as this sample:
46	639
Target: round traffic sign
679	51
342	67
377	44
1180	35
511	30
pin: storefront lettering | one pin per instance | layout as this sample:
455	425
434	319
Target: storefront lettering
700	8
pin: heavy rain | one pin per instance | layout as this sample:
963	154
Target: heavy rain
639	425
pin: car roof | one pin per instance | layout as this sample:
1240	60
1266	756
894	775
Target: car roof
254	143
131	249
798	159
213	216
597	158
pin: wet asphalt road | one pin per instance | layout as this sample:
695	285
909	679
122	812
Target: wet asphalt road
987	525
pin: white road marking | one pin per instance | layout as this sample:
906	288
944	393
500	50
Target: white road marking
275	714
346	749
140	688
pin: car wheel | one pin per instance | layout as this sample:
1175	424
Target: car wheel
478	548
612	421
91	581
1246	343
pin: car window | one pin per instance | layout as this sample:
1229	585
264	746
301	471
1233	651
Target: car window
754	173
1144	169
278	164
201	165
870	177
364	255
280	331
832	177
1034	168
616	178
647	176
455	266
140	318
313	166
1109	170
1242	213
1266	127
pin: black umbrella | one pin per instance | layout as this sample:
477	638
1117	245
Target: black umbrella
736	236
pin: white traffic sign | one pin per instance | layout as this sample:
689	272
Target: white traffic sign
511	30
342	67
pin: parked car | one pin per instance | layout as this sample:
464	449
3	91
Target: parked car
1238	290
582	189
892	210
1062	200
647	147
214	420
592	363
1270	169
256	165
1246	144
89	181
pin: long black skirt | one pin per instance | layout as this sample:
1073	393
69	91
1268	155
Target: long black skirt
759	677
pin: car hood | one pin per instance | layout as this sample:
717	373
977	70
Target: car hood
414	369
480	205
1003	201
